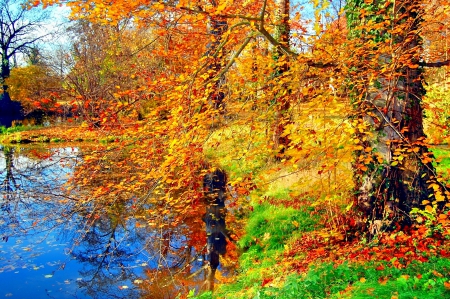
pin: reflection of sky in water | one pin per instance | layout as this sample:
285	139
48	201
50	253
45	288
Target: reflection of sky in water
28	269
28	263
40	259
34	259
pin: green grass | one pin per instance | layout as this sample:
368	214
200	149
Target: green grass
442	157
269	227
279	192
6	131
361	281
442	163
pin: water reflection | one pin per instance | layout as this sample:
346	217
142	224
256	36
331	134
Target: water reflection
31	189
215	187
57	245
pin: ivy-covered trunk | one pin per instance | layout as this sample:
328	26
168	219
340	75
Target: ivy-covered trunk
393	170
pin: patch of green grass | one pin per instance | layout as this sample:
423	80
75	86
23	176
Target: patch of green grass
6	131
442	163
418	280
361	281
108	139
43	138
269	227
443	157
280	192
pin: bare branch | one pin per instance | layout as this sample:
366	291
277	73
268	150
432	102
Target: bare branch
222	16
236	55
434	64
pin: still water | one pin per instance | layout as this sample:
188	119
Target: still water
50	247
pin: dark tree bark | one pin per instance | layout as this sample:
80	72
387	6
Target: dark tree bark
9	110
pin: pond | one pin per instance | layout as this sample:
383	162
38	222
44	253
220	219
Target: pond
55	246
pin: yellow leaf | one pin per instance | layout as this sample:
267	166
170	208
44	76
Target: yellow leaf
439	197
425	202
221	7
349	207
405	276
434	186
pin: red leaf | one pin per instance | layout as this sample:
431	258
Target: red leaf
266	281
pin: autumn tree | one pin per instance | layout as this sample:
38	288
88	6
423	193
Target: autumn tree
36	86
19	32
169	142
95	66
393	170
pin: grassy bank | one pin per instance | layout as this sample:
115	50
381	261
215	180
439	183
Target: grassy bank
54	134
290	249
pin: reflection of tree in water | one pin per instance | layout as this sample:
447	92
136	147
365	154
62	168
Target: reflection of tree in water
108	250
166	239
178	252
153	259
127	249
9	183
8	186
215	185
30	190
194	265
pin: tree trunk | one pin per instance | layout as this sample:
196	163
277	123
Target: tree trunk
282	29
393	170
5	71
215	51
